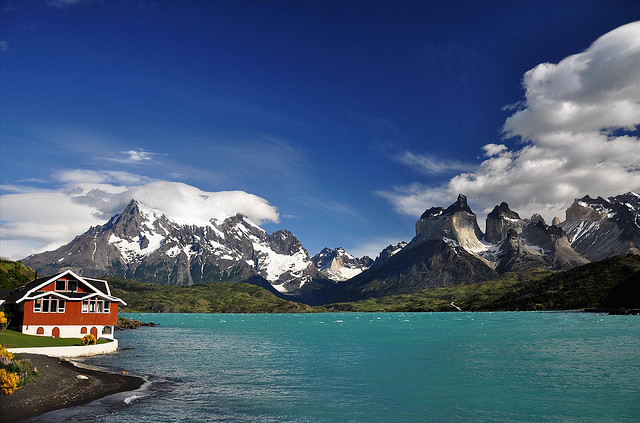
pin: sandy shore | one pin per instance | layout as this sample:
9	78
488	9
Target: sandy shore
58	386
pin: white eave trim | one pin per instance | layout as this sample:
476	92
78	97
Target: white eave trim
61	295
97	292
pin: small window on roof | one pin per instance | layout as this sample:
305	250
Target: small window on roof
72	286
61	285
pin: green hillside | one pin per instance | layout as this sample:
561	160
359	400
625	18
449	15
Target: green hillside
612	284
14	274
219	297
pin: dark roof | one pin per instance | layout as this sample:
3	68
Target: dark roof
97	284
21	290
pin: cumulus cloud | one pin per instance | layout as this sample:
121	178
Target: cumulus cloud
36	220
577	129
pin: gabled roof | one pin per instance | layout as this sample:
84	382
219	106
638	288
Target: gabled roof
31	290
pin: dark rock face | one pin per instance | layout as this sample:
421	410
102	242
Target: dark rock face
428	264
145	245
599	228
388	252
554	243
514	255
500	220
437	256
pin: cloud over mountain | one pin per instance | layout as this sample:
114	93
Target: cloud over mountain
89	198
577	133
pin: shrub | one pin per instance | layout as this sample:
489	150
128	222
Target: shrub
3	320
14	373
89	339
8	381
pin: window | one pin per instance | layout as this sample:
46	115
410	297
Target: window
72	286
107	306
99	306
106	330
61	285
92	306
45	305
54	305
37	306
85	306
61	304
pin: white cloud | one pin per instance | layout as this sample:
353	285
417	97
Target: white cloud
414	198
493	149
430	164
570	123
34	220
136	156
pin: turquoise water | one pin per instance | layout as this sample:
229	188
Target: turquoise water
393	367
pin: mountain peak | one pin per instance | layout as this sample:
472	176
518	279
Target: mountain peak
459	206
500	221
456	223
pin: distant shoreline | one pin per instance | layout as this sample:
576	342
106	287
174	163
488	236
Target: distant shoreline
58	387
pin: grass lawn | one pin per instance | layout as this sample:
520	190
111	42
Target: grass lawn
13	339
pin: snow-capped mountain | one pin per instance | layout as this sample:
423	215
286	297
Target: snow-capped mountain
599	228
145	244
338	265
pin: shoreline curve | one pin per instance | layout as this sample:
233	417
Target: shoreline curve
58	387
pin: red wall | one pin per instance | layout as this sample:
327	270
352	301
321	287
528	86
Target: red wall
52	287
72	315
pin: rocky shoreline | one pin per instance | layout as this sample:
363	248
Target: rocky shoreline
61	384
126	323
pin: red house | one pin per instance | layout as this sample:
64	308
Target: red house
64	306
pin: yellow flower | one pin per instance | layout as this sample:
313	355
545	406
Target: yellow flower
8	382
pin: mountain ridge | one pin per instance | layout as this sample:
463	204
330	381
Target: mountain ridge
449	248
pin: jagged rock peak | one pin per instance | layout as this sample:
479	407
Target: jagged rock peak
339	265
456	224
555	221
599	228
535	218
500	220
388	252
432	213
459	206
503	210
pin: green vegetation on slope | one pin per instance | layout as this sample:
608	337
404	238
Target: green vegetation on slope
469	297
14	274
612	284
218	297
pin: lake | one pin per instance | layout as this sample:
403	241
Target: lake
378	367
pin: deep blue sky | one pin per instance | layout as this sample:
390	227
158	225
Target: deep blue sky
309	105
